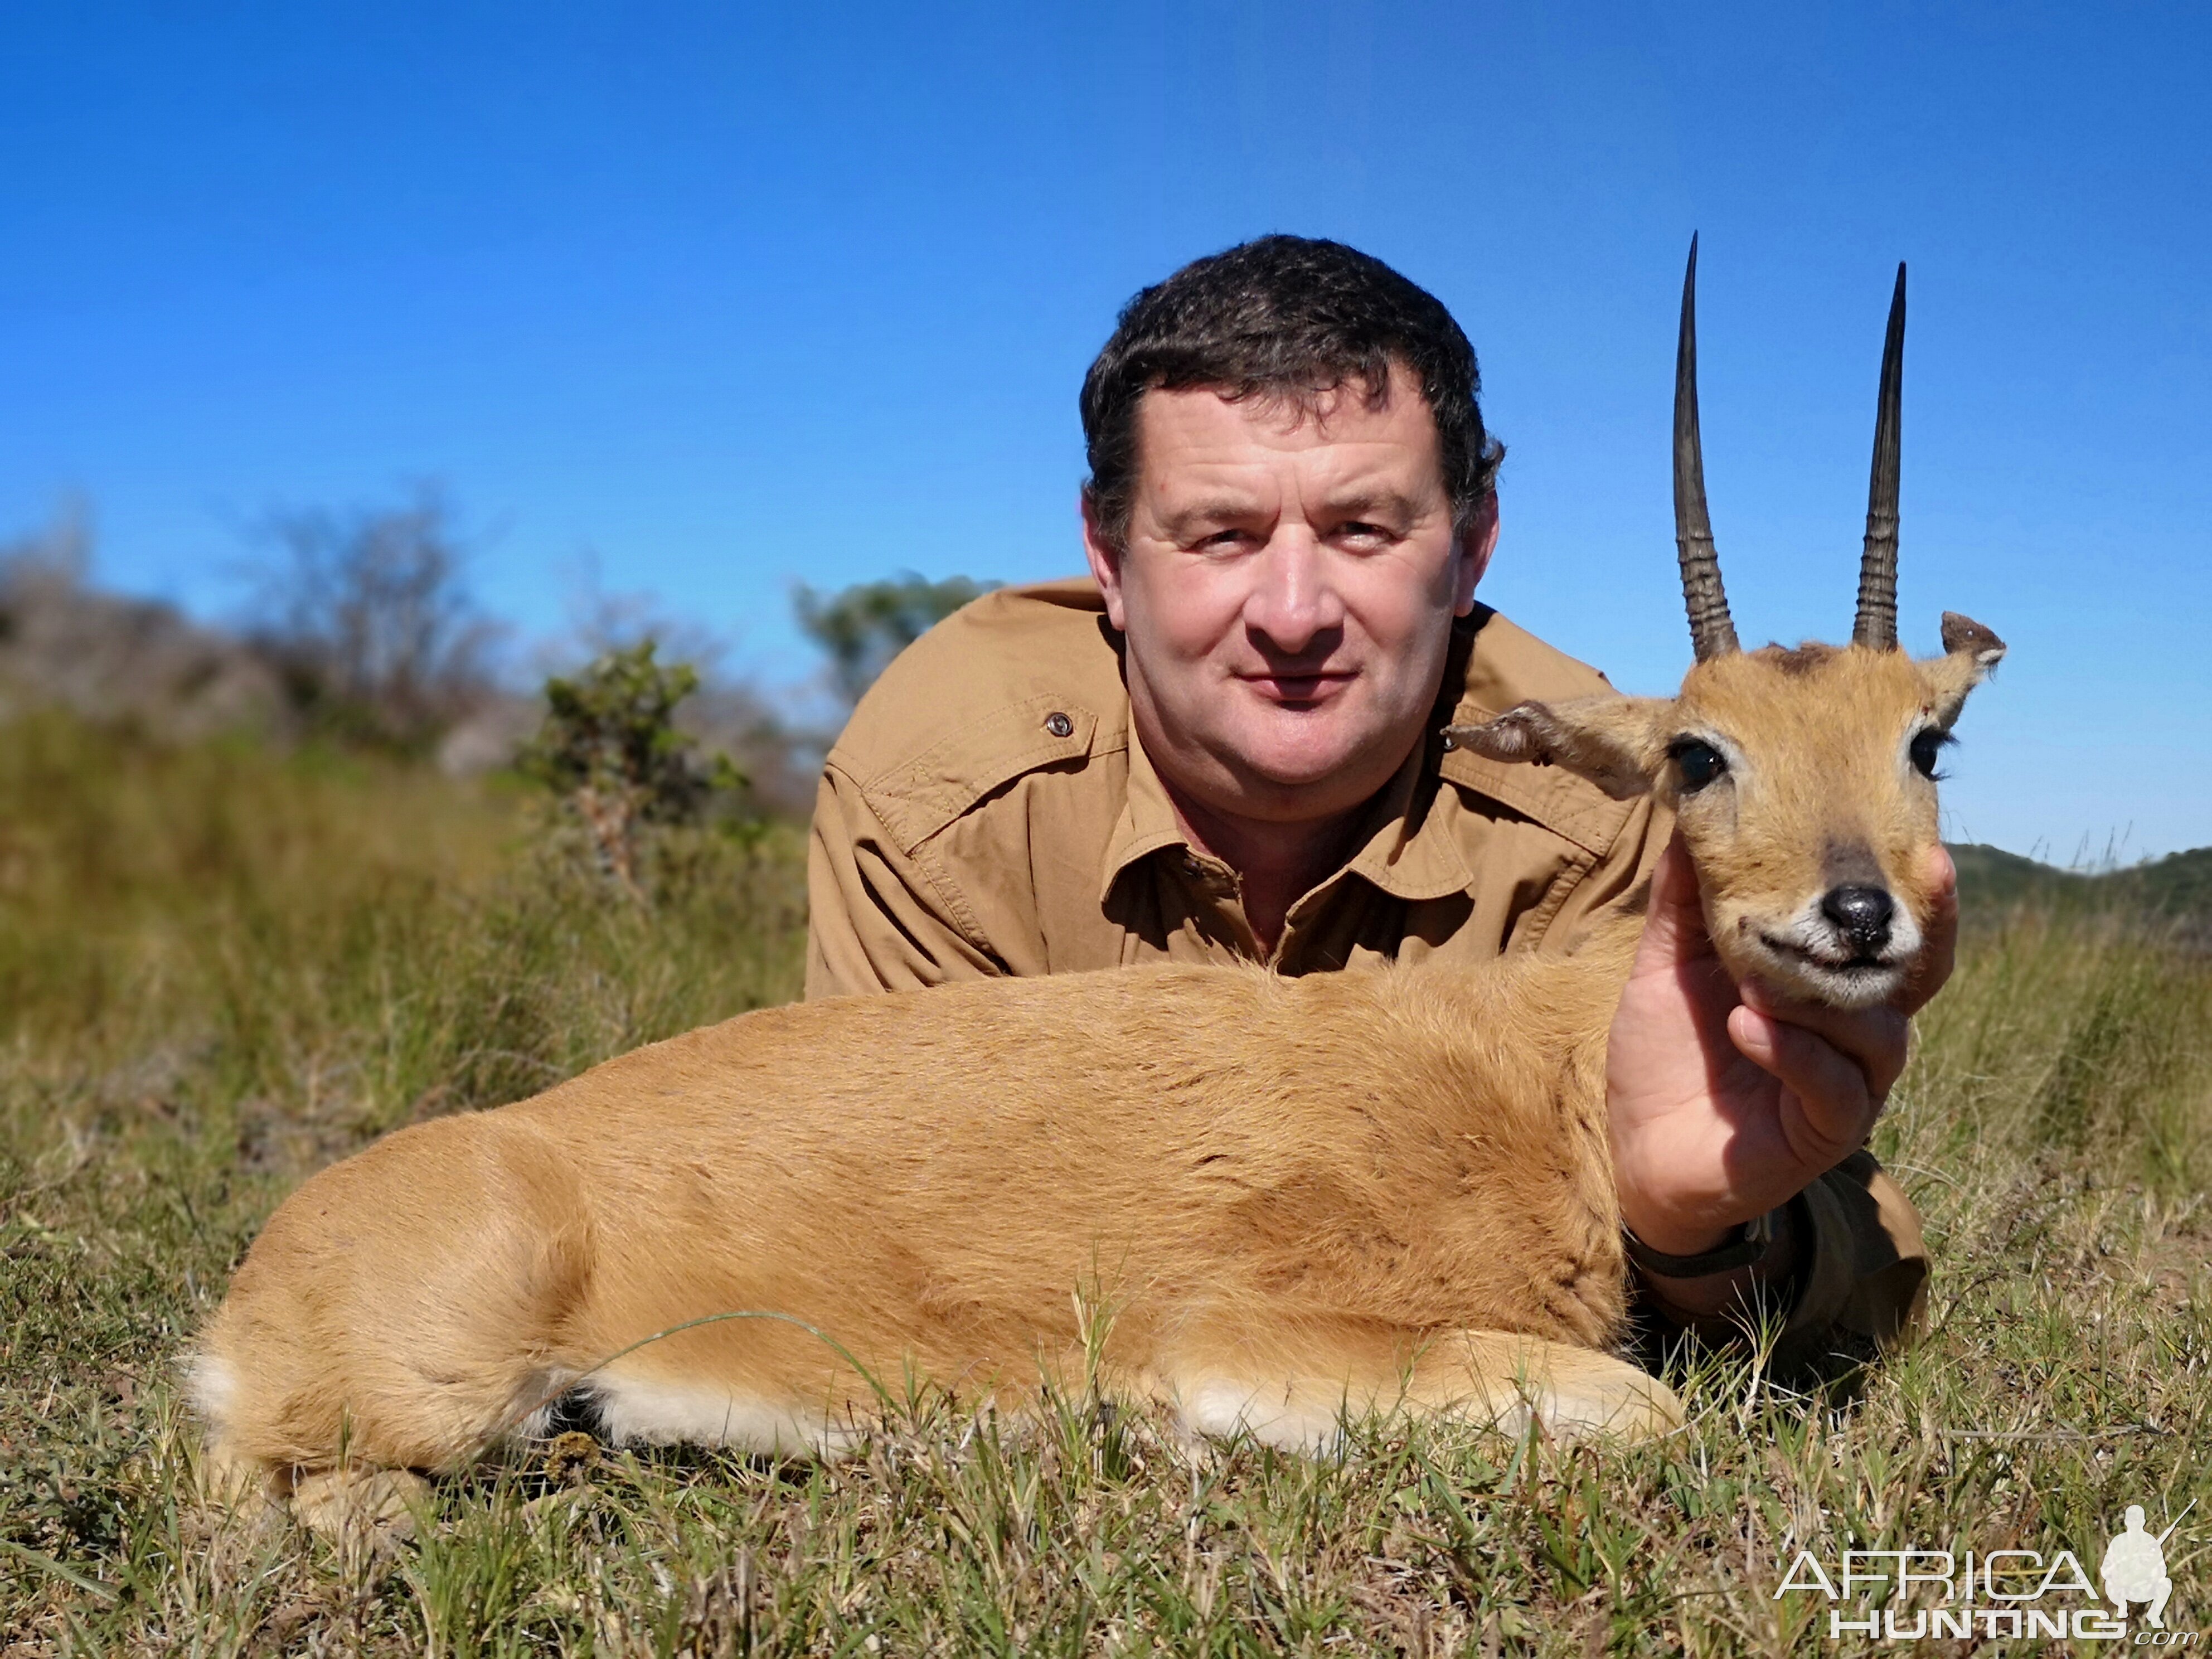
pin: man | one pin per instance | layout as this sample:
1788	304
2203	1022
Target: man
1223	746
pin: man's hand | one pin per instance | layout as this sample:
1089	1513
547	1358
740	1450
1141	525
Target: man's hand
1725	1105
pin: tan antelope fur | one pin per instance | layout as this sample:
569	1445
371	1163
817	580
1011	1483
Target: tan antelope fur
1291	1199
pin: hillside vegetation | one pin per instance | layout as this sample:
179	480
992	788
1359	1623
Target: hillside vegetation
2172	895
221	968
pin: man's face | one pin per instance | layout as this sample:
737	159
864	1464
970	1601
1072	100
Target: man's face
1287	590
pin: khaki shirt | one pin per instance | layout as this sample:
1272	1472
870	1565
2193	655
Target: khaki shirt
989	811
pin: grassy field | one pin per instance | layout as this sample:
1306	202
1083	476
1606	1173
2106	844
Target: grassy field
219	969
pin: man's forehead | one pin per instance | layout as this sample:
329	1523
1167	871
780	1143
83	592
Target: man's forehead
1212	428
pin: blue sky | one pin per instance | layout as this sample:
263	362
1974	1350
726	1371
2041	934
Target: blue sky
729	298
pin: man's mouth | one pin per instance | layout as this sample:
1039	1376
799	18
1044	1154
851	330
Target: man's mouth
1293	688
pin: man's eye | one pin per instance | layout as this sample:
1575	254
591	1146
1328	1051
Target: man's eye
1696	761
1927	744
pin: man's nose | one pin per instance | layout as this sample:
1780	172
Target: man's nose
1293	600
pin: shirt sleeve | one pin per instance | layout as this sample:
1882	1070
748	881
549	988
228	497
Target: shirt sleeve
877	919
1861	1282
1866	1274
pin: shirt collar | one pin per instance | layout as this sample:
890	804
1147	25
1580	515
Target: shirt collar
1405	846
1147	821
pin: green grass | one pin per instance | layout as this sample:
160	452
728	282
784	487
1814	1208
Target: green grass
219	969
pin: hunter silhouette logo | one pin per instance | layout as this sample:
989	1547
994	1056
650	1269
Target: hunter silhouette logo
2134	1568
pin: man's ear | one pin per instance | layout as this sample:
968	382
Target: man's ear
1476	543
1969	652
1611	740
1105	561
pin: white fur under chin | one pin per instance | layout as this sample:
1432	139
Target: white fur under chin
1820	972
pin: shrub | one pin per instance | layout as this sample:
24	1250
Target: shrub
611	751
367	622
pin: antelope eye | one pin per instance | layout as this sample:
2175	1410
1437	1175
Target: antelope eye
1927	744
1696	761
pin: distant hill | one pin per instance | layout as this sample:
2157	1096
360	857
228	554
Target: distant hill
2173	892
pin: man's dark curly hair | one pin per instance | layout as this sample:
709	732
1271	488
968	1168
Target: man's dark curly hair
1292	317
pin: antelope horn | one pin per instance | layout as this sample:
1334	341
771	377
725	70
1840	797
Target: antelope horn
1711	631
1876	627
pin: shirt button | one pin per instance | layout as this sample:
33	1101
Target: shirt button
1059	724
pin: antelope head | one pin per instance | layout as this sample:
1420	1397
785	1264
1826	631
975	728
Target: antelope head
1803	780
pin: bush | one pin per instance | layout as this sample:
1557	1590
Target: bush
611	751
367	619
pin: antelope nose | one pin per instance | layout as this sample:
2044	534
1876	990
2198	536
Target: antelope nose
1861	915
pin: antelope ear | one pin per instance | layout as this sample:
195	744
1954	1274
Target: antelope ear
1969	652
1613	741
